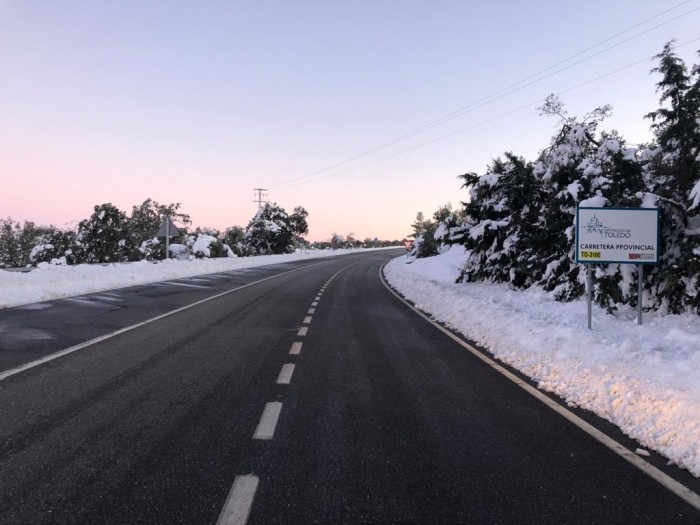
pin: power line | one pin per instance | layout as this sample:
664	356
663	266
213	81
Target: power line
491	119
504	92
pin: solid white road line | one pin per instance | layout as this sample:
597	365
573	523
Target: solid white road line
664	479
296	348
66	351
307	319
311	311
285	376
268	421
303	331
239	501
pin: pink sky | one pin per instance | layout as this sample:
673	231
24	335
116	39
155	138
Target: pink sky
123	101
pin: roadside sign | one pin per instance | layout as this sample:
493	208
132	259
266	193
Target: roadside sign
617	235
168	229
408	245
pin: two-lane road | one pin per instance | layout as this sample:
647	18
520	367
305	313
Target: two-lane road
313	387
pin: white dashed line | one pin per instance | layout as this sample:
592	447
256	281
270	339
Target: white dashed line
268	421
285	376
307	319
311	311
315	303
303	331
318	298
239	501
188	285
296	348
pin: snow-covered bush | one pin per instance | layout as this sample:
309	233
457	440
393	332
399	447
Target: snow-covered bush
55	247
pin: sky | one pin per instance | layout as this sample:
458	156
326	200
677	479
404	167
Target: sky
201	102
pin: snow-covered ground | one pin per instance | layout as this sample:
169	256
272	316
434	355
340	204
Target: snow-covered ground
645	379
53	282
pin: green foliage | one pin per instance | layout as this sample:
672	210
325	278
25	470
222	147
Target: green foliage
56	247
144	223
272	230
233	238
17	241
104	236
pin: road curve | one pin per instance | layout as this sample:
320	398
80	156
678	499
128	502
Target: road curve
311	397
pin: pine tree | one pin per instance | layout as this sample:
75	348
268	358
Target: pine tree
672	171
502	214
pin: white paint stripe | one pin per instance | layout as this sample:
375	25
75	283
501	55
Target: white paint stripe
239	501
315	303
66	351
285	376
188	285
317	298
311	311
268	421
303	331
296	348
307	319
664	479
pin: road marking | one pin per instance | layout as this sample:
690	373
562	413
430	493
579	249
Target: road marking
80	346
311	311
296	348
303	331
268	421
285	376
189	285
315	303
307	319
664	479
239	501
318	298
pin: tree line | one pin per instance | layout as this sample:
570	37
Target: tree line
518	225
109	235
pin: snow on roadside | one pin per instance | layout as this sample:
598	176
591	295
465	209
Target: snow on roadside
53	282
644	379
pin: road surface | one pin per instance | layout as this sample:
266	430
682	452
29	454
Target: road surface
299	393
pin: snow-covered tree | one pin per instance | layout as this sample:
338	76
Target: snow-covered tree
104	236
272	230
55	247
233	238
17	241
672	171
143	225
503	229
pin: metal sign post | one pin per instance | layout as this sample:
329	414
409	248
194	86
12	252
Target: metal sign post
167	230
590	296
640	293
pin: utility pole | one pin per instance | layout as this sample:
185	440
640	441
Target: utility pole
261	194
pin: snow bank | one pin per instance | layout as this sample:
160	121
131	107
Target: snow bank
53	282
645	379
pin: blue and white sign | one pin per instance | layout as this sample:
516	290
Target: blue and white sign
617	235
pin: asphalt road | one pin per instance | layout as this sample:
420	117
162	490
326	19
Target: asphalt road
382	419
